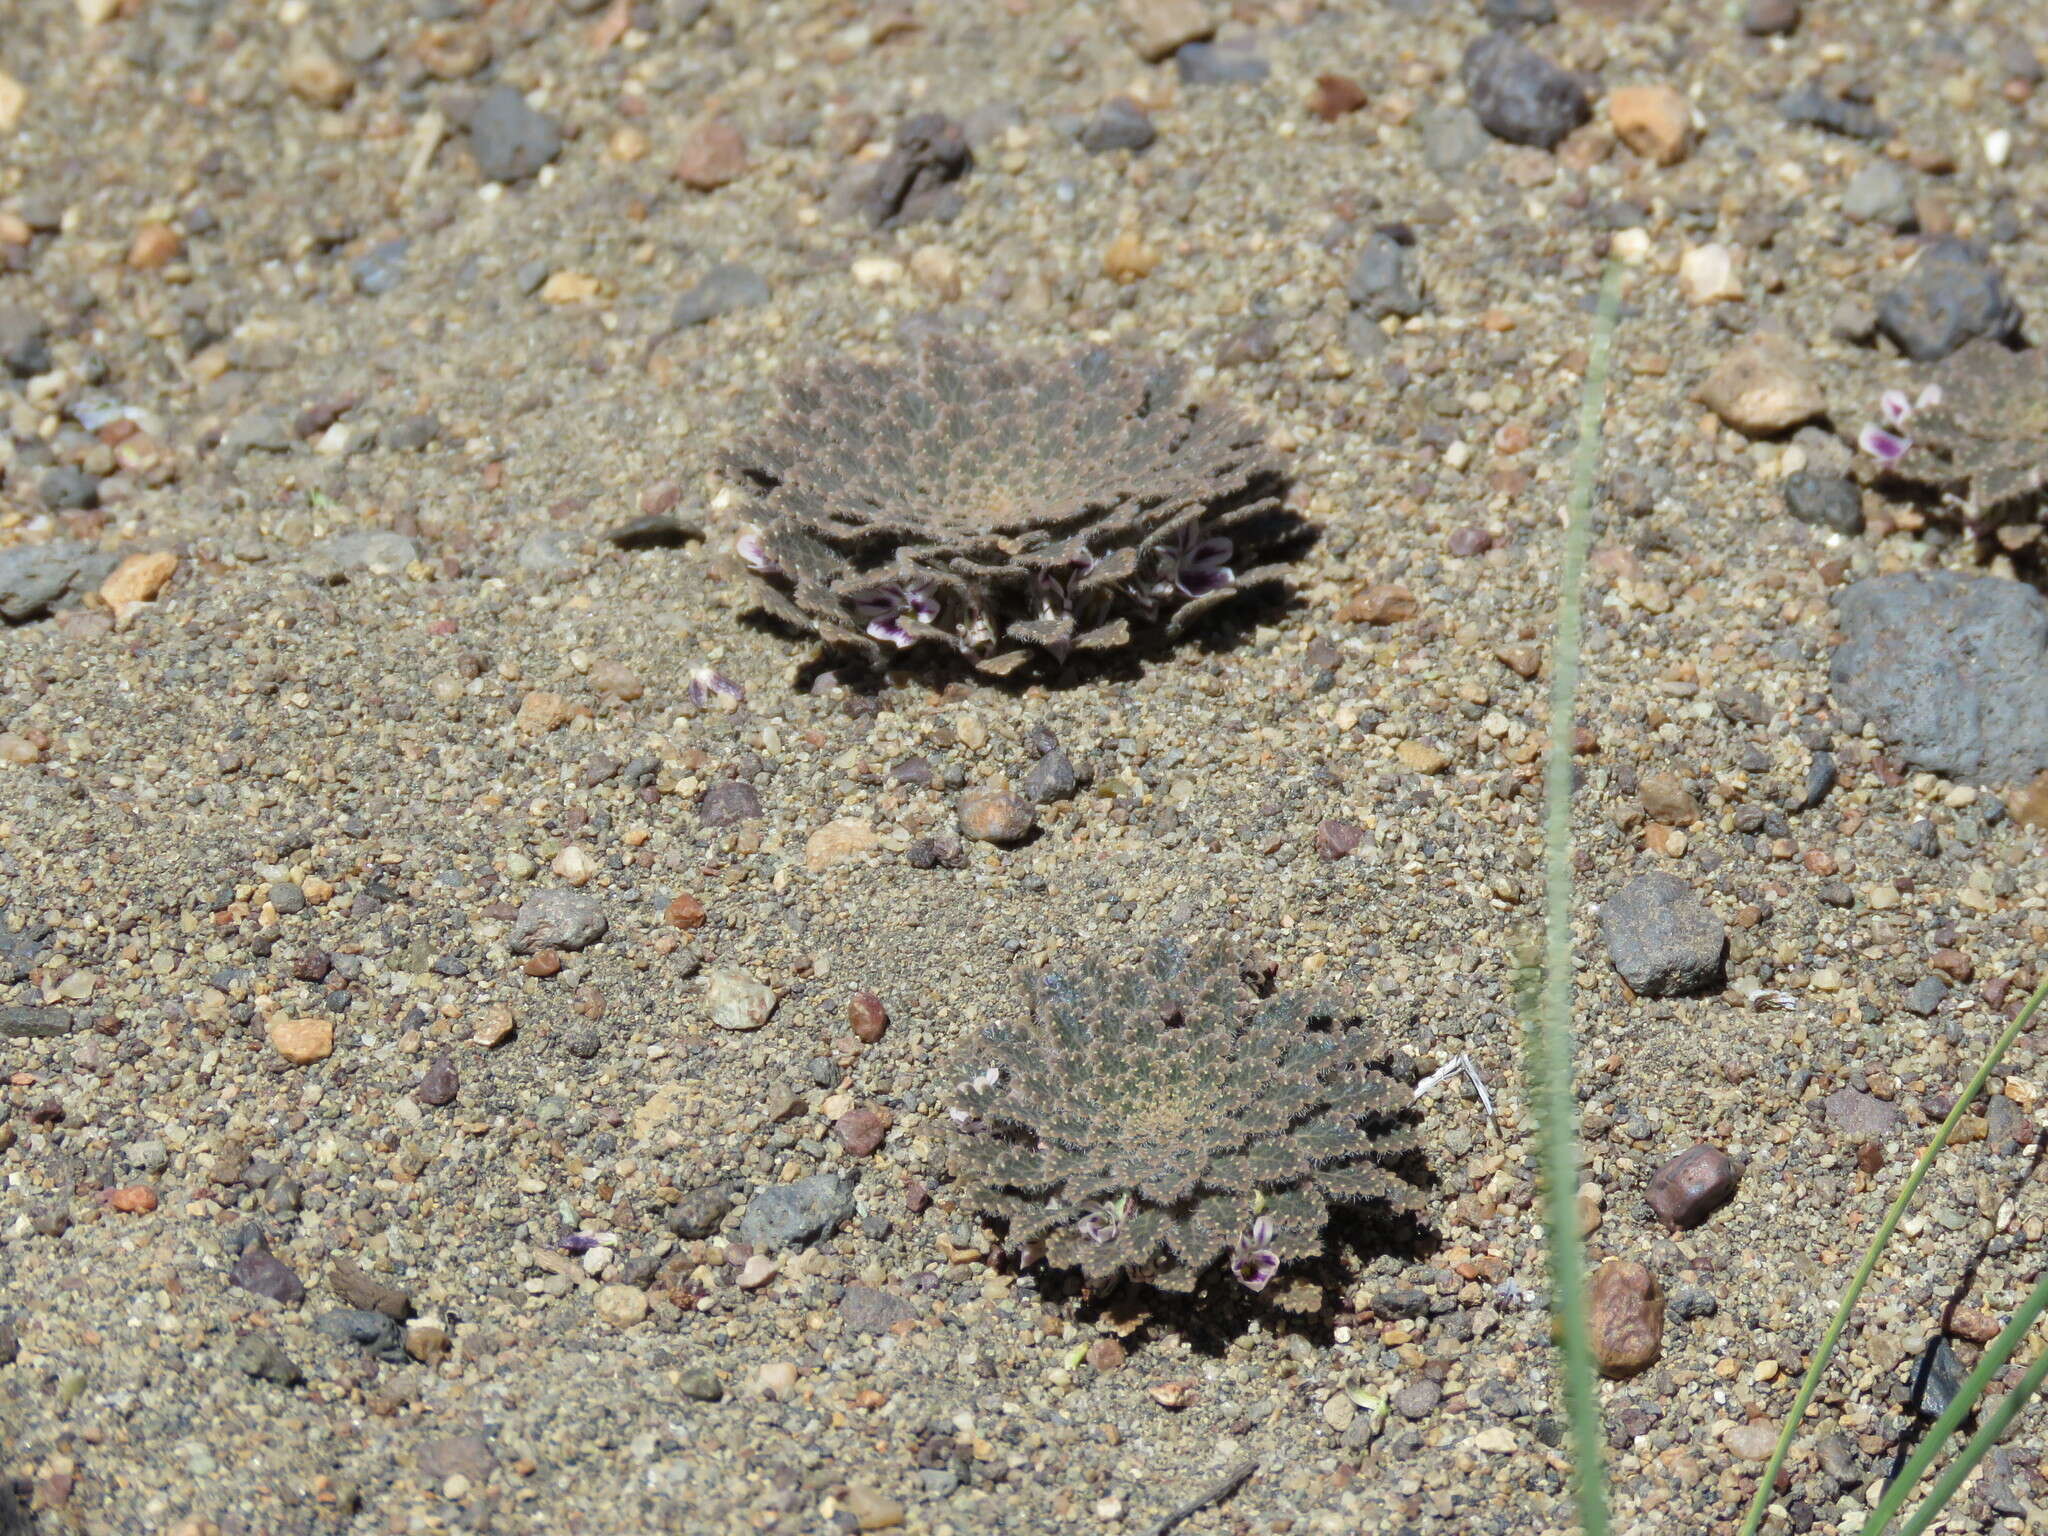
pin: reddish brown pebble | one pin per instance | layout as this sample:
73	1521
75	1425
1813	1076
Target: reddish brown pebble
1693	1185
439	1085
1666	798
1953	964
868	1017
1106	1355
1870	1157
136	1199
917	1197
1626	1308
861	1130
1334	839
1384	604
686	911
995	816
546	963
714	156
1335	96
1521	660
1467	542
1974	1324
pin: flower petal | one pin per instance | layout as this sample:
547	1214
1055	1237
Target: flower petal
1886	447
1894	406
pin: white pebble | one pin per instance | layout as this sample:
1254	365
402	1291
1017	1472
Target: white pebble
1997	146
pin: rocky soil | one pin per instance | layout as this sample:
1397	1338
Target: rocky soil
479	1011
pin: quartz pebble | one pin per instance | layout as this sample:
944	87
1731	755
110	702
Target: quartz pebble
303	1041
737	1001
1653	120
998	816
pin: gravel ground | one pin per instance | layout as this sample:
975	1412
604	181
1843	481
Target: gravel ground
282	989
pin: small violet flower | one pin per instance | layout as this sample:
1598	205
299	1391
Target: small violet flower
1195	565
1098	1227
882	609
581	1242
706	684
1888	444
1252	1259
748	547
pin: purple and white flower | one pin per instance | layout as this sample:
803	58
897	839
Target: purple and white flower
883	608
750	548
1252	1258
705	685
1099	1226
1195	564
1889	443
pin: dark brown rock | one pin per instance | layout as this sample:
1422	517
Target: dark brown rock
1626	1305
867	1017
439	1085
1693	1185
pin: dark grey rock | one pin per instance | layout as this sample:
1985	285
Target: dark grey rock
726	289
68	488
1452	138
915	181
699	1212
1689	1302
701	1384
34	578
509	139
1936	1379
1234	61
566	920
1051	778
1521	13
1826	501
34	1023
1880	193
1951	668
1661	938
867	1309
1922	838
1812	107
1926	996
1950	295
1520	95
727	803
657	530
378	270
796	1215
261	1357
1859	1114
413	433
1383	280
289	899
263	1273
1418	1400
1820	779
10	1340
372	1331
1119	123
24	342
1770	18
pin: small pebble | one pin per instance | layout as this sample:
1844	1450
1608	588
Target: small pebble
303	1041
1693	1185
997	816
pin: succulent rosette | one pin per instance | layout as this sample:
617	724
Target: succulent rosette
1002	508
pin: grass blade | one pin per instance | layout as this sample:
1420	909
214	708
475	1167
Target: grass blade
1550	1035
1811	1384
1966	1398
1978	1447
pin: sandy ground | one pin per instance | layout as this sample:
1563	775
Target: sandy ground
317	774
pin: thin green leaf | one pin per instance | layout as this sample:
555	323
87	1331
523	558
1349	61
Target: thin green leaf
1811	1383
